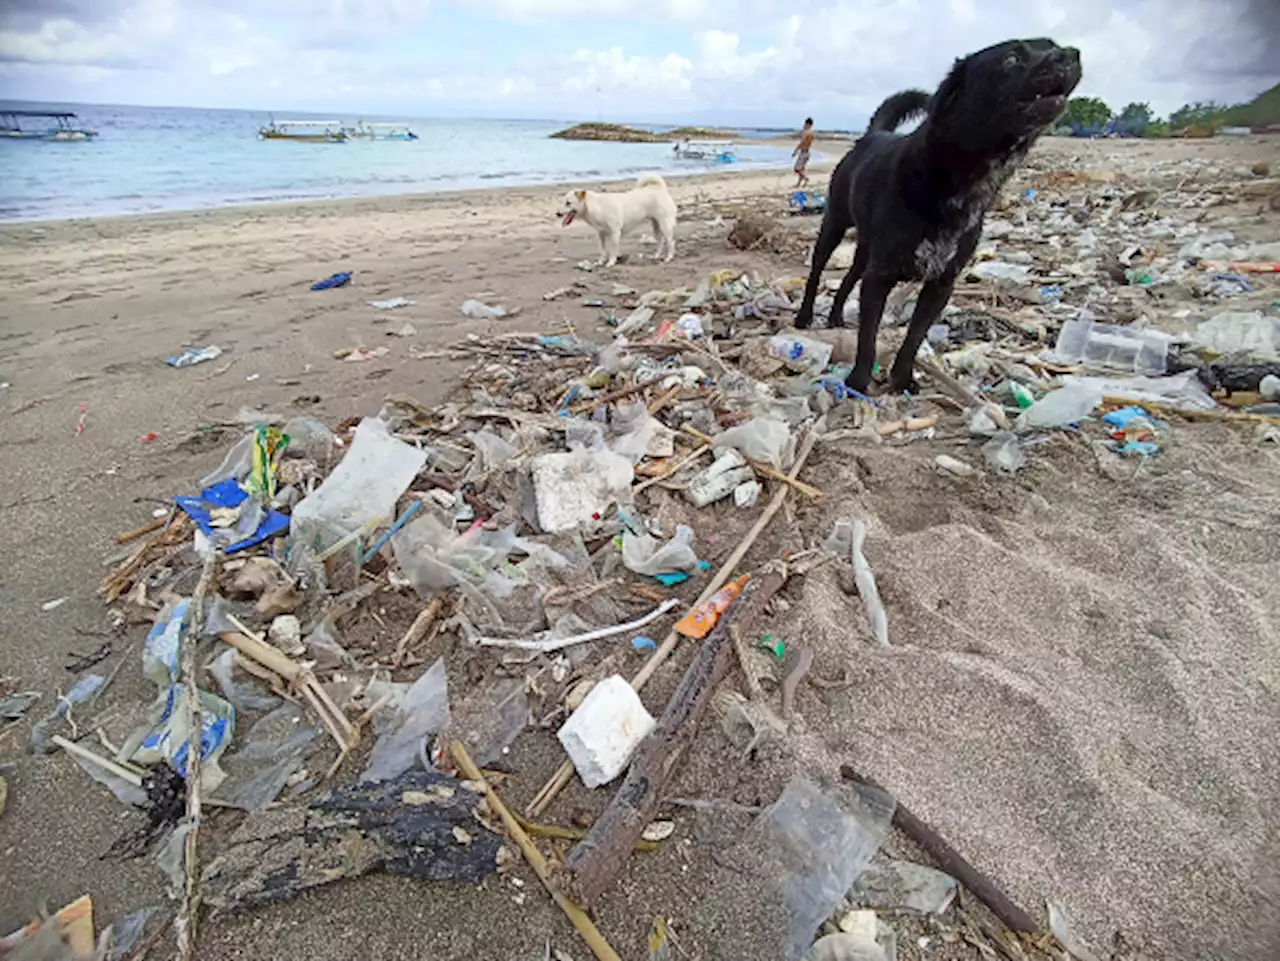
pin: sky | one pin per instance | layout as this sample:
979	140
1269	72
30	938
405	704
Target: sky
758	62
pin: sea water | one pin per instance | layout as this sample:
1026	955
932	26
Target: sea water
149	159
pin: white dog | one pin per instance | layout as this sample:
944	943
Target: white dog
613	215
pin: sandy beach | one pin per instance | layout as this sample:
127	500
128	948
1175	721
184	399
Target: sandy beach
1084	685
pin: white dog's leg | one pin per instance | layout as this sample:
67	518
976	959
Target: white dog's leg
669	241
611	246
604	248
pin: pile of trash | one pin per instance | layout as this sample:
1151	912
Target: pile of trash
354	622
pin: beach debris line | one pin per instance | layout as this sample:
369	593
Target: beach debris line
379	597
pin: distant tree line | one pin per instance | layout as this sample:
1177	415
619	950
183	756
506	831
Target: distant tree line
1092	117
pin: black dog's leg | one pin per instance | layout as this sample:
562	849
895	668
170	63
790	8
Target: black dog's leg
861	256
933	297
834	224
875	291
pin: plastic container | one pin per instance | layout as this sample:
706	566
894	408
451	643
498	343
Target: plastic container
1085	341
801	354
699	621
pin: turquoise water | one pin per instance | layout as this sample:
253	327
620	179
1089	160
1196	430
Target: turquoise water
149	159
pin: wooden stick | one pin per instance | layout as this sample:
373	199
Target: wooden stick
189	912
949	384
1170	410
665	399
564	774
760	467
595	861
147	528
71	747
950	861
421	624
608	398
595	940
679	465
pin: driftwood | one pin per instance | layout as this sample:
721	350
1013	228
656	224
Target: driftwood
421	825
596	860
952	862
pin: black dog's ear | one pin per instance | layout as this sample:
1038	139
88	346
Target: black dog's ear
952	85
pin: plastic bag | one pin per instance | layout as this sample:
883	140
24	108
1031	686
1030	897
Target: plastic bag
801	354
491	449
423	710
235	465
243	697
1067	405
362	489
325	649
309	438
125	791
645	554
761	439
478	310
904	884
167	737
80	692
492	718
1183	391
1247	334
277	745
1003	452
809	849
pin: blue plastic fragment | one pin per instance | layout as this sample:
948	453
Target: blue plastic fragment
1121	417
672	578
643	643
227	493
334	280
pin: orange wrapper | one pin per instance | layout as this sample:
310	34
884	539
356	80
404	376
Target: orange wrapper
699	621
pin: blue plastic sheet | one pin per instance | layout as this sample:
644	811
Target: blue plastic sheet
227	493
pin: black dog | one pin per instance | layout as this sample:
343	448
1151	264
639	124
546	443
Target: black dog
918	200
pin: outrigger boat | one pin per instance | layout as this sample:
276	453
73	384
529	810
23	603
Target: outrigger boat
62	129
380	131
304	131
719	151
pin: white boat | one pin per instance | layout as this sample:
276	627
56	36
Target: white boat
380	131
38	128
304	131
717	151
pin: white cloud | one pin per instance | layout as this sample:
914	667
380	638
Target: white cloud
836	59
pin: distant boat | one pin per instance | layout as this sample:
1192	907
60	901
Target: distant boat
304	131
379	131
11	126
719	151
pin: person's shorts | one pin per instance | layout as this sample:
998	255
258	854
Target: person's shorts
802	161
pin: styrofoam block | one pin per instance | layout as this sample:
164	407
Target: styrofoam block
603	733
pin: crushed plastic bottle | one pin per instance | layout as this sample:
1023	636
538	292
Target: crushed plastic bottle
1085	341
804	355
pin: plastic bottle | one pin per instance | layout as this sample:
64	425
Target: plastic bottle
699	621
800	353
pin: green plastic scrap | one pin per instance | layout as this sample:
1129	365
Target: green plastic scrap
774	646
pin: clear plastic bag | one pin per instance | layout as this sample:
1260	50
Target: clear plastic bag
492	718
808	848
761	439
645	554
276	747
362	489
1067	405
423	710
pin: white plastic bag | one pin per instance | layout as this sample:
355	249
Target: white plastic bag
649	556
761	439
362	488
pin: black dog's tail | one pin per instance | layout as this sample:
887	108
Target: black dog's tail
898	109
